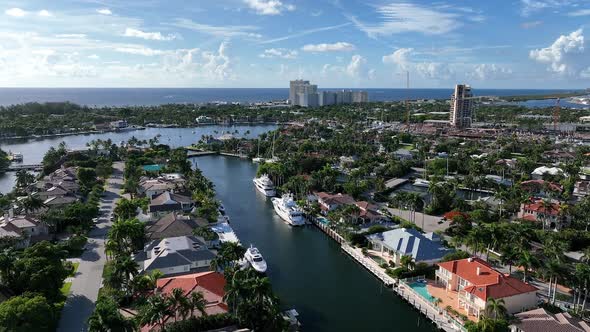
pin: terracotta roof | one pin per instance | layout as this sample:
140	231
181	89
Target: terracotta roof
484	280
536	205
541	183
336	199
539	320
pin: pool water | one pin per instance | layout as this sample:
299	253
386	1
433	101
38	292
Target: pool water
421	289
323	220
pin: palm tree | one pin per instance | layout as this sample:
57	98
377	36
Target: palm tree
155	311
198	302
179	303
407	261
527	261
31	203
24	179
495	309
107	318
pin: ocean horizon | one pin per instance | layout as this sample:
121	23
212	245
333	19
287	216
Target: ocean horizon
105	97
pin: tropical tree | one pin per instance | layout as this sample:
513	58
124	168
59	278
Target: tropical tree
495	308
31	203
107	318
527	261
155	311
24	179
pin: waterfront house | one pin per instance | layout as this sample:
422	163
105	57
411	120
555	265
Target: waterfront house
174	256
169	202
545	211
24	229
541	188
167	182
171	225
329	202
540	320
369	213
472	281
582	188
395	244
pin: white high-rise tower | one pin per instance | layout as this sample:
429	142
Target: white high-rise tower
461	106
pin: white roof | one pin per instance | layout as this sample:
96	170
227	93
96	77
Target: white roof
544	170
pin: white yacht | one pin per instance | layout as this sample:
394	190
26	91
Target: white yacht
258	160
287	209
255	259
421	183
264	185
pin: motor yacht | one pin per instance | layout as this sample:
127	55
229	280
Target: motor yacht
264	185
288	210
255	259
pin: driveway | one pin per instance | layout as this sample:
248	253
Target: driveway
85	285
425	221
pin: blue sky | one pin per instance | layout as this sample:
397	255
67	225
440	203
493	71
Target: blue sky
265	43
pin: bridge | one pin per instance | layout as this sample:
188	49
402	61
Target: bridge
33	167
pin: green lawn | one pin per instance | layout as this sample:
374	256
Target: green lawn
65	290
75	265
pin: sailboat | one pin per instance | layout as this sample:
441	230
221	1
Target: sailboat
258	159
273	158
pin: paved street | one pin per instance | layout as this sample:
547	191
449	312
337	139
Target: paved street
88	279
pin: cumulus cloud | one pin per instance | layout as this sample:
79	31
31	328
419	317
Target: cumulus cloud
567	55
335	47
407	17
145	51
44	13
580	12
279	53
104	11
269	7
492	71
130	32
15	12
398	57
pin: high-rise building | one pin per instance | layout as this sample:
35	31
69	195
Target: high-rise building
360	97
300	86
302	93
461	106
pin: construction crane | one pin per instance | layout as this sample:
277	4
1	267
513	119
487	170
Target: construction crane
556	112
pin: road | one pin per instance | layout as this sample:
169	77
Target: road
85	285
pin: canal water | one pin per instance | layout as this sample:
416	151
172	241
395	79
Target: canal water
308	270
33	150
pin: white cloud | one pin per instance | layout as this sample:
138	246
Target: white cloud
530	25
398	57
279	53
406	17
335	47
567	55
104	11
93	57
581	12
356	66
130	32
146	51
218	31
15	12
71	35
492	71
269	7
44	13
304	33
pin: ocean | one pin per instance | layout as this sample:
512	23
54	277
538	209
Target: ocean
101	97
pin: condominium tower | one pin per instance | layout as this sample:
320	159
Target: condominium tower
302	93
461	107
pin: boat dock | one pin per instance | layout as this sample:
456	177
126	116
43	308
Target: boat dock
438	316
34	168
193	152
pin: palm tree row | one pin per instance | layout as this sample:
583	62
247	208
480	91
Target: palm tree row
161	307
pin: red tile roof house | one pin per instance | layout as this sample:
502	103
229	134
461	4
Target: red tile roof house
540	187
536	211
329	202
210	284
475	281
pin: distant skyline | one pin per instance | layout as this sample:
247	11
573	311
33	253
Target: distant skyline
537	44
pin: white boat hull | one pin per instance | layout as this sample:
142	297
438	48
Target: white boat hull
285	215
265	192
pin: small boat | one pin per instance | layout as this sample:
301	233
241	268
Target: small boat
15	156
255	259
421	183
288	210
257	160
264	185
221	208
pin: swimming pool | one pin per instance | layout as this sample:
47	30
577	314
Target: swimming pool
421	289
323	220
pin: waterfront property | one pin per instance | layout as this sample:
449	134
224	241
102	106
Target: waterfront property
470	282
152	187
546	212
169	202
540	320
394	244
172	224
22	229
175	255
211	284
